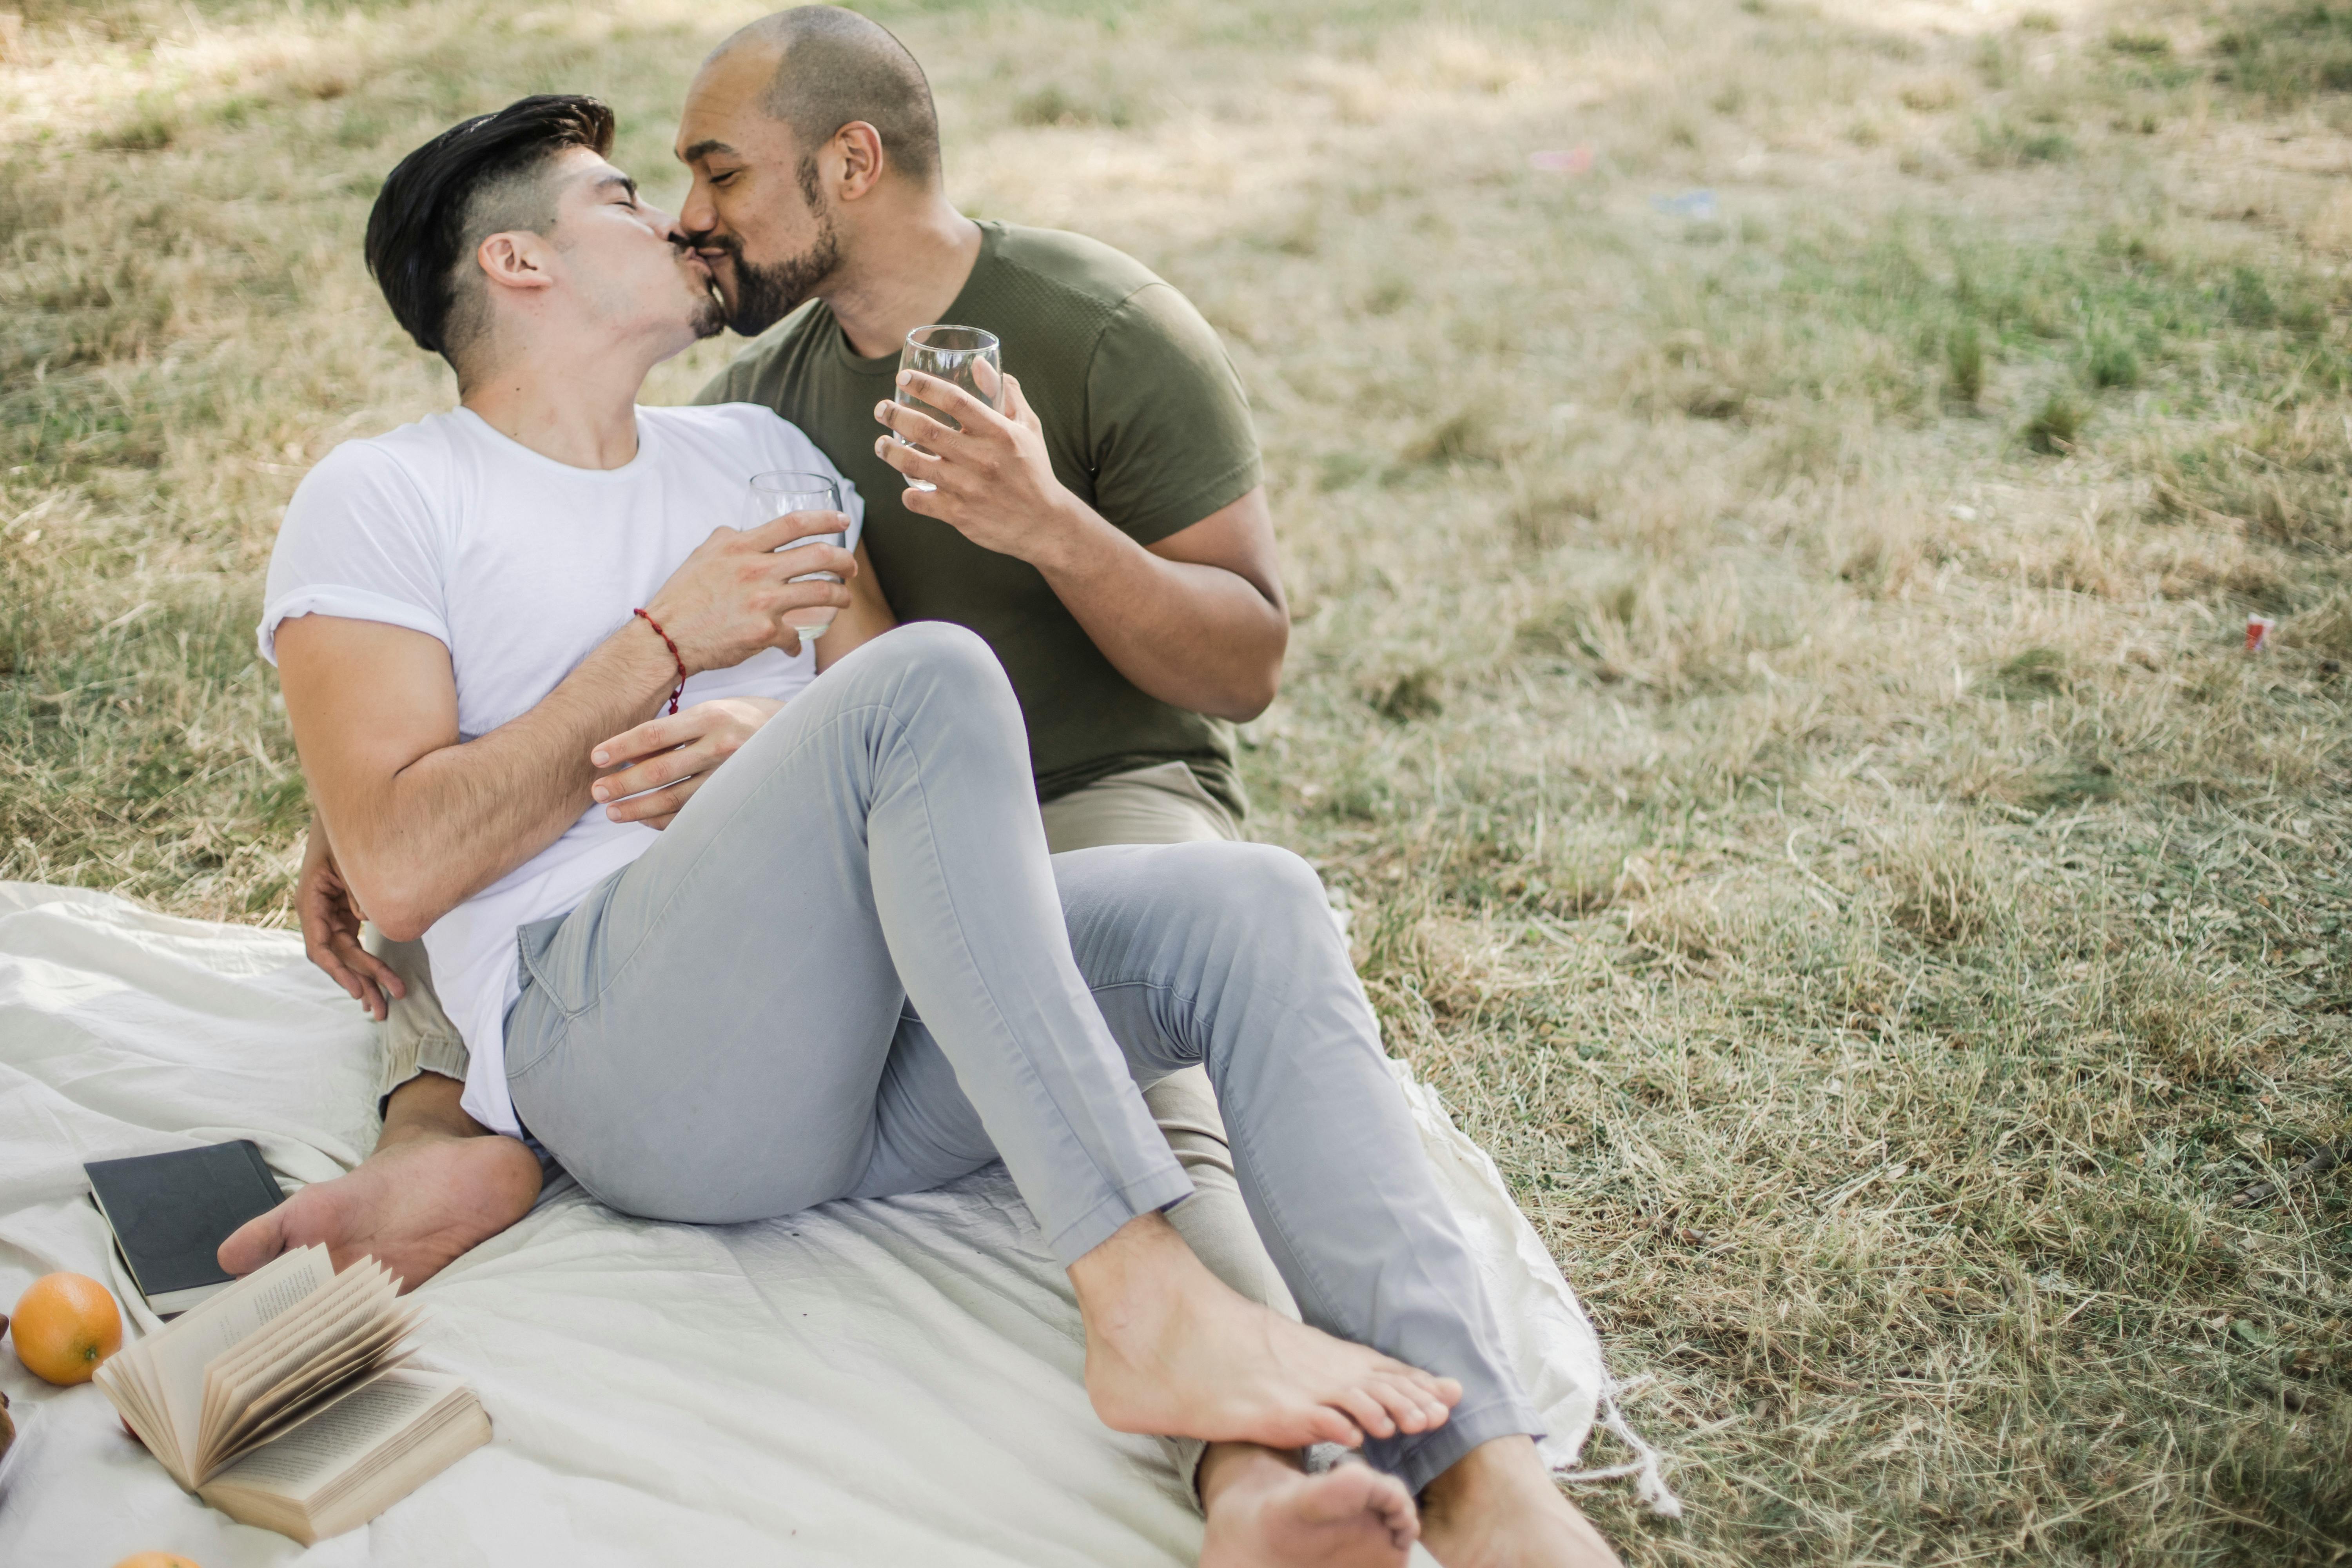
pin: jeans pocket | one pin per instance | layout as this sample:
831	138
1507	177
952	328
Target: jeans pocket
543	1013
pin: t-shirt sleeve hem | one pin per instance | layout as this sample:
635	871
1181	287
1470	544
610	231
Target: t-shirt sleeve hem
1180	512
350	603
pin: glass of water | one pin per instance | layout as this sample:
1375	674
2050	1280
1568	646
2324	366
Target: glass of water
783	494
956	354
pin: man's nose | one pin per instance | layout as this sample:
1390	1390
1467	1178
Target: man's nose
698	217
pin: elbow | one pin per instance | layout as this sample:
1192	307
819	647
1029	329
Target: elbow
1252	696
400	925
396	905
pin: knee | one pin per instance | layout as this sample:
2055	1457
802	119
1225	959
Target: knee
1271	884
935	655
942	646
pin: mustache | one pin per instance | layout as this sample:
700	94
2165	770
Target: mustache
731	244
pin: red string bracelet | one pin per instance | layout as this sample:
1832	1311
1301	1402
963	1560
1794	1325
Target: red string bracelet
679	690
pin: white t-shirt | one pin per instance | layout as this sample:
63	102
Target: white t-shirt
521	566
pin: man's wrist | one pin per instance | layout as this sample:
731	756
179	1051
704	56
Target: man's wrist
652	654
1075	542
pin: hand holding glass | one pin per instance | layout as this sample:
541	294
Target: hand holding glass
783	494
965	355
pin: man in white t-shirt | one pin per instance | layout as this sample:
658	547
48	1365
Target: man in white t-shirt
728	937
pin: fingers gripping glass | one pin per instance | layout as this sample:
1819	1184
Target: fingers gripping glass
783	494
965	355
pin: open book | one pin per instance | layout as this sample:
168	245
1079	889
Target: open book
284	1401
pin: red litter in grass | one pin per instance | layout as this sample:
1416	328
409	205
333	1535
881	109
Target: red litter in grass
1563	160
2257	633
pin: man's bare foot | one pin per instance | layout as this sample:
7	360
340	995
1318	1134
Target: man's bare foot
1498	1507
1173	1349
438	1186
1266	1513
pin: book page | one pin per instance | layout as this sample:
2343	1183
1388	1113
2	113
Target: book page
310	1261
370	1347
180	1353
332	1442
299	1398
353	1283
256	1434
361	1295
123	1379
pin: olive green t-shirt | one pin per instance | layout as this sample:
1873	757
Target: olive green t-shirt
1145	421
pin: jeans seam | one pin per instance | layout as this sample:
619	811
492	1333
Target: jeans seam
898	739
1234	1140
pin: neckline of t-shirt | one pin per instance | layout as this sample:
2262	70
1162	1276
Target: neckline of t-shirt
505	442
887	364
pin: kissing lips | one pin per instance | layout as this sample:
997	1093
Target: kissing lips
720	263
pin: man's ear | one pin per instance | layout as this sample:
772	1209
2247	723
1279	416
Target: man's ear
857	160
515	259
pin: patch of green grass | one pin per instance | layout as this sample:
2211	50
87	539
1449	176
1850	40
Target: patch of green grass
1413	695
1964	361
2036	672
2110	361
2001	144
1919	302
2286	54
1056	104
2056	422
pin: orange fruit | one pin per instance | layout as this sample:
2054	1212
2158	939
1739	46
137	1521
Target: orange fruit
155	1560
64	1325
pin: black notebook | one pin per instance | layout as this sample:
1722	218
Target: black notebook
170	1213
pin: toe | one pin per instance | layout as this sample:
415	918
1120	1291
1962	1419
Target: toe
1411	1410
1368	1410
1430	1386
1331	1426
1393	1503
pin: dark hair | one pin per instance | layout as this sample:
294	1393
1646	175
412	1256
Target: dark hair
476	179
835	66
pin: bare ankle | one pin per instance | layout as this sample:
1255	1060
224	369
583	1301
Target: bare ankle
1500	1503
427	1106
1134	1273
1491	1467
1227	1466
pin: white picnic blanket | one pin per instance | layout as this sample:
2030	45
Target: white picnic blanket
871	1383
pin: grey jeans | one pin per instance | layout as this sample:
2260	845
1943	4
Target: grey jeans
850	969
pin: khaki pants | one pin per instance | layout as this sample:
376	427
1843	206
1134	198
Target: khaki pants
1162	805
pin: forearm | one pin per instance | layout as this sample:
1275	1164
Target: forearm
459	817
1193	635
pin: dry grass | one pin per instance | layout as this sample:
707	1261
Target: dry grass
1768	671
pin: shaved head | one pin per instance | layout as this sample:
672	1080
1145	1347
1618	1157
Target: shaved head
833	66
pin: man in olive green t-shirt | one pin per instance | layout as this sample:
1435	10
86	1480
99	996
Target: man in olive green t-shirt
1145	437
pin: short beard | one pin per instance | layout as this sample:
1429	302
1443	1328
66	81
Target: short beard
766	294
710	316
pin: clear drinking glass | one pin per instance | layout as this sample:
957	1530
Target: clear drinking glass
956	354
782	494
